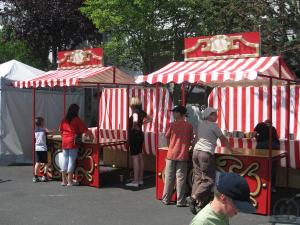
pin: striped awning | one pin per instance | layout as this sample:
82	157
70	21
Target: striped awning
229	72
77	77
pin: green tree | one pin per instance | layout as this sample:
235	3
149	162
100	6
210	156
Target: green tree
18	50
148	34
48	25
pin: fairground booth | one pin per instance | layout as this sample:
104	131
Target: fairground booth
83	69
247	89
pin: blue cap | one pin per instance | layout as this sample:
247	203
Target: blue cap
236	188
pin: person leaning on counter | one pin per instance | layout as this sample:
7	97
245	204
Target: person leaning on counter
203	158
261	133
71	127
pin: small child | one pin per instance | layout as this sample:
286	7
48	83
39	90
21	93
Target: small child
41	155
179	137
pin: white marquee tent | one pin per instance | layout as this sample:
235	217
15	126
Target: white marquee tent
16	111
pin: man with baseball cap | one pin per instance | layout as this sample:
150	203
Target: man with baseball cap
232	195
179	136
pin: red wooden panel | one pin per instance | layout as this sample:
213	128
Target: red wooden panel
255	170
160	174
87	168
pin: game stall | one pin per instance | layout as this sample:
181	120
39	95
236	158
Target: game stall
233	61
78	69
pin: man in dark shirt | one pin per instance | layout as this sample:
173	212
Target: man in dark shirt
262	136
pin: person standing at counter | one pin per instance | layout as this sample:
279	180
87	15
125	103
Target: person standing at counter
262	131
136	140
71	128
204	159
179	137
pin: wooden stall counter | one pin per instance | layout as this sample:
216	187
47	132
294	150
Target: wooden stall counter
87	170
253	164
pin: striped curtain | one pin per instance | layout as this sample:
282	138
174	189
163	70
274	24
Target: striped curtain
113	114
241	108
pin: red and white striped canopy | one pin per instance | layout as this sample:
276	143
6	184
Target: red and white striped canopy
76	77
229	72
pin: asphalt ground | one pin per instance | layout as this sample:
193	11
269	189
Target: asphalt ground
23	202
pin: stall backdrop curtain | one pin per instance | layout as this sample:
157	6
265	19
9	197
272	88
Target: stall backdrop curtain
113	114
241	108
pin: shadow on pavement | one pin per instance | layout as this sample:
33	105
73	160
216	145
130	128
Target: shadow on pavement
119	177
3	181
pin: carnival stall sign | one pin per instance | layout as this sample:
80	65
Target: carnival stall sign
230	61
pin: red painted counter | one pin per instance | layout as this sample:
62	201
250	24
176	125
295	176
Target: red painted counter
87	170
253	164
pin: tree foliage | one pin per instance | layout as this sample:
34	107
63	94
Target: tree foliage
148	34
48	25
18	50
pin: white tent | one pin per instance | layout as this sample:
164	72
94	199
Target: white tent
16	111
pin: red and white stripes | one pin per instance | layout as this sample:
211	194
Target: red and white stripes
227	72
241	108
113	114
73	77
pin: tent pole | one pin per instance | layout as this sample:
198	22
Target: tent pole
98	120
127	127
156	136
114	74
287	149
183	94
270	149
33	129
65	101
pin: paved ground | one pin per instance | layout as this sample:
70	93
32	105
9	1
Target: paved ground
24	203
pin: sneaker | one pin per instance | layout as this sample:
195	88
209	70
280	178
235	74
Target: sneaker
44	179
132	184
35	179
165	202
192	204
73	184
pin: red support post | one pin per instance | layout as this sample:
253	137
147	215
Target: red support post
183	94
114	74
156	137
270	149
65	101
33	129
127	126
98	120
287	158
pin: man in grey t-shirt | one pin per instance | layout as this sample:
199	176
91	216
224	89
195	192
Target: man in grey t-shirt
203	158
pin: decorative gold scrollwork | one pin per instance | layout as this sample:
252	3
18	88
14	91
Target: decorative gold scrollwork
80	172
221	44
250	171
